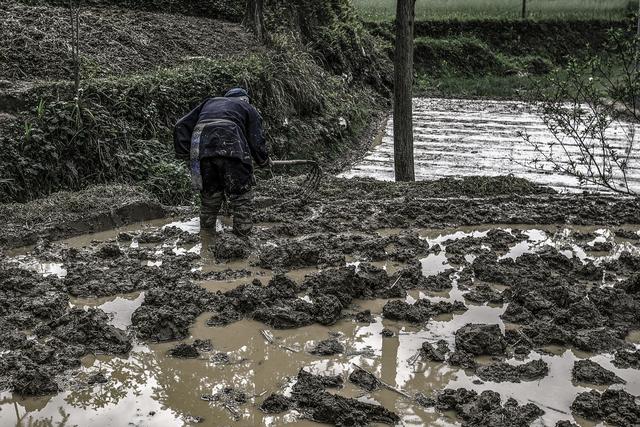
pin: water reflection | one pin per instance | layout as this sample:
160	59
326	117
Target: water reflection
149	388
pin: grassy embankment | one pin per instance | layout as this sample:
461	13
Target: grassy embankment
384	10
482	49
141	71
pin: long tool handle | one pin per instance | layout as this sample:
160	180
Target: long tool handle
294	162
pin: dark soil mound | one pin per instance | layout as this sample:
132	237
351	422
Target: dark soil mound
90	329
486	409
502	372
590	372
328	348
480	340
184	351
627	359
310	397
275	404
364	380
616	407
420	311
167	313
437	353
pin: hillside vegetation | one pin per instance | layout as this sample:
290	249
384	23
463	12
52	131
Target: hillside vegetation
496	58
143	70
384	10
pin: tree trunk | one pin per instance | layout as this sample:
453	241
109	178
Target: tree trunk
254	18
403	98
524	9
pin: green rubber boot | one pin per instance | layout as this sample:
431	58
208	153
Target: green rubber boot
242	209
209	210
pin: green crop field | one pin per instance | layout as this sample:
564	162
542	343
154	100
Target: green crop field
379	10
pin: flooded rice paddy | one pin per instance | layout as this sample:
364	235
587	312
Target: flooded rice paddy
148	387
459	138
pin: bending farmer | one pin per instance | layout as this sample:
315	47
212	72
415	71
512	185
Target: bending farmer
219	139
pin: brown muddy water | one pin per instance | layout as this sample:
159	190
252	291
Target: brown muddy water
150	388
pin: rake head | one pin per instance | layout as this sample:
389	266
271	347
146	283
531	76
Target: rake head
311	181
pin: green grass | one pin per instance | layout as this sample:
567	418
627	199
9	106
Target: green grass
382	10
488	86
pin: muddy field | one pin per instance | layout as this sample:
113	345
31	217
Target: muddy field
380	304
462	137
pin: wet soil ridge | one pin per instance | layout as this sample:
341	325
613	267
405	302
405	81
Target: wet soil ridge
68	214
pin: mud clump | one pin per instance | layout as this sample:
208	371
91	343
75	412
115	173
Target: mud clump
347	284
90	329
463	359
167	313
616	407
312	399
486	409
480	340
33	381
331	291
420	311
590	372
438	282
627	359
228	246
484	294
275	404
364	380
184	351
277	305
435	353
27	298
503	372
291	254
365	317
328	347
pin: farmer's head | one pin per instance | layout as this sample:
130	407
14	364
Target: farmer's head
239	93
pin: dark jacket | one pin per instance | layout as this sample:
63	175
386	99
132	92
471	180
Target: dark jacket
230	128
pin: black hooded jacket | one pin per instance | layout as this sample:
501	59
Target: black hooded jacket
230	127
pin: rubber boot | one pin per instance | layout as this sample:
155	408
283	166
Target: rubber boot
242	208
209	210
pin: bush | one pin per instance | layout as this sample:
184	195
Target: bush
119	129
458	55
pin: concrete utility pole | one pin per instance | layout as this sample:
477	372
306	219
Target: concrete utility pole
403	92
524	9
254	18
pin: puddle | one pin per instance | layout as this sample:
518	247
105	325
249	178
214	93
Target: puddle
149	388
45	268
119	308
